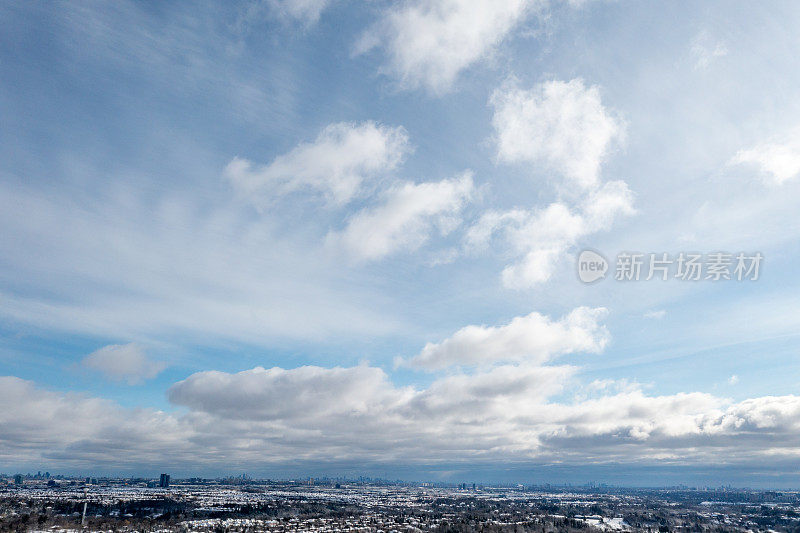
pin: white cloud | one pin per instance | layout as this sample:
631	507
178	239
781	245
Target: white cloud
429	42
78	431
733	380
655	314
603	206
405	220
127	362
561	125
606	387
497	392
336	164
275	393
480	234
540	238
778	160
705	50
534	338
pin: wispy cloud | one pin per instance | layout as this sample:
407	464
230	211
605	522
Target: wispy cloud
335	164
127	362
164	270
540	238
306	11
705	50
777	160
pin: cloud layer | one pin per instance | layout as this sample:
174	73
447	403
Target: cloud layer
264	417
513	407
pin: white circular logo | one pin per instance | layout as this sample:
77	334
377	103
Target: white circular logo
591	266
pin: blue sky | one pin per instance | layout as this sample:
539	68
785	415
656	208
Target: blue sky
345	230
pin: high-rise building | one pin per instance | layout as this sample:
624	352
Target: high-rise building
18	479
164	482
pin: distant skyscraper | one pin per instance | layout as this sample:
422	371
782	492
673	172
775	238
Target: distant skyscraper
18	479
164	480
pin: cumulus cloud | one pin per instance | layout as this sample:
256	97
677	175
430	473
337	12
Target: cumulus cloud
778	160
533	338
405	220
275	393
540	238
363	399
79	431
497	392
429	42
335	164
127	362
561	125
279	416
